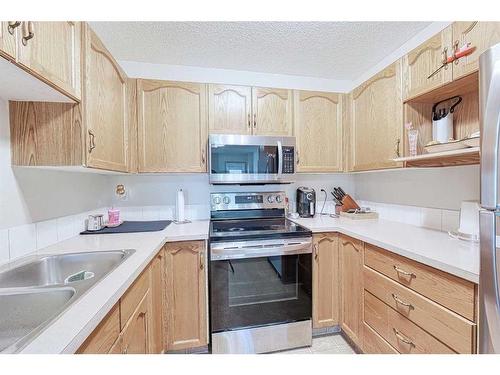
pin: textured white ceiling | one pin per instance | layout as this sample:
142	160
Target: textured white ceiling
334	50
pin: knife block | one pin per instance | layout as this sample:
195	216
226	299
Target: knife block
348	204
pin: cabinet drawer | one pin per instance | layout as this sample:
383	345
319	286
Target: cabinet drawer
450	291
374	343
133	296
104	336
450	328
401	333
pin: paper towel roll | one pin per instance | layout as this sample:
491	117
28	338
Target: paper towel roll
180	206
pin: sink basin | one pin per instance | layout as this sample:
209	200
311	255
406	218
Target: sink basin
58	269
25	311
34	293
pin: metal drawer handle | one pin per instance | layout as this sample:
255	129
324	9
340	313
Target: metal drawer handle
91	141
403	272
316	253
399	301
249	121
12	26
203	157
202	261
31	33
398	143
403	338
254	120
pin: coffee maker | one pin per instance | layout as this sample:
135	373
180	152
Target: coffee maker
306	202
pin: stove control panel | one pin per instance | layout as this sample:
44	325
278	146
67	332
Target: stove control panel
247	201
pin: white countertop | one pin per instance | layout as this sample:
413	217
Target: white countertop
69	331
433	248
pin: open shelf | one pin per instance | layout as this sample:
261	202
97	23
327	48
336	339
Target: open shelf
465	156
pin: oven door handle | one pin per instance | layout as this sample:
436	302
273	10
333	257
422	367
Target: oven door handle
280	159
226	253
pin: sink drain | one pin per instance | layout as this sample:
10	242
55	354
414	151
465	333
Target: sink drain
79	276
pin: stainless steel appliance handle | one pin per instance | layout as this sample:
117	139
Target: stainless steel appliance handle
489	99
227	251
280	159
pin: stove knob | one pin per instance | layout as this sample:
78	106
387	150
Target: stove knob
216	200
279	199
226	200
270	199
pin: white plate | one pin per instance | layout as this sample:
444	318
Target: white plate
448	146
471	142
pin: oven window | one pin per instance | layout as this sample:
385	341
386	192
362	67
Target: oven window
260	291
244	159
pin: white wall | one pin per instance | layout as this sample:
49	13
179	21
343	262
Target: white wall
30	195
442	188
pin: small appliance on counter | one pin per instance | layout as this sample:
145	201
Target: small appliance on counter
469	222
306	201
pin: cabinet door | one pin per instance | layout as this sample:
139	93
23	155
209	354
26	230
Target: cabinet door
158	302
8	39
106	106
272	111
377	121
424	60
318	129
351	258
172	126
229	109
186	295
326	281
136	335
481	35
105	336
52	53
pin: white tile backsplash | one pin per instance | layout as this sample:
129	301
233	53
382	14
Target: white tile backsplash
66	227
4	246
431	218
46	233
450	220
22	240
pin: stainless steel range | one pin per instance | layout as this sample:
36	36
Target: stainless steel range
260	275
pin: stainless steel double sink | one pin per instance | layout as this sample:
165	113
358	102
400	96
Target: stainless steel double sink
36	292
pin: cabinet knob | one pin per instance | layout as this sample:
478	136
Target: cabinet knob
12	26
28	32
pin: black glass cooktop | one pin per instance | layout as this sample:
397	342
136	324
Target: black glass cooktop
231	230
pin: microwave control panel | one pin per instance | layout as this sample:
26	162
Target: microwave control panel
288	159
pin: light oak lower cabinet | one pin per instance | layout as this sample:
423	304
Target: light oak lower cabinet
351	265
136	335
326	280
172	126
318	130
186	295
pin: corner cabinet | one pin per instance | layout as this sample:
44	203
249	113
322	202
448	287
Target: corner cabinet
230	109
326	280
351	269
318	129
272	111
186	295
420	63
376	121
106	106
172	126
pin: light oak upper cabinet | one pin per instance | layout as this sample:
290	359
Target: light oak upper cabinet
229	109
172	126
51	50
186	295
376	121
318	130
326	280
106	107
272	111
8	39
351	264
424	60
481	35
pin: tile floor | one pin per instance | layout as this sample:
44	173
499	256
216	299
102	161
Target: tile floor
331	344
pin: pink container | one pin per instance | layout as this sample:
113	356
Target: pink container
113	216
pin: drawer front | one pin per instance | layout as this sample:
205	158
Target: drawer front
448	290
133	296
398	331
373	343
450	328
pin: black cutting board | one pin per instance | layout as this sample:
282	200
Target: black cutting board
133	227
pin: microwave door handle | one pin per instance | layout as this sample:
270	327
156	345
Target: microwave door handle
280	159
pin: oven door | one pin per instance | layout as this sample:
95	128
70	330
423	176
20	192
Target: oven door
241	159
254	284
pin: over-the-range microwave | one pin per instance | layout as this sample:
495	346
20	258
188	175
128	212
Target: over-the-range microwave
251	159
